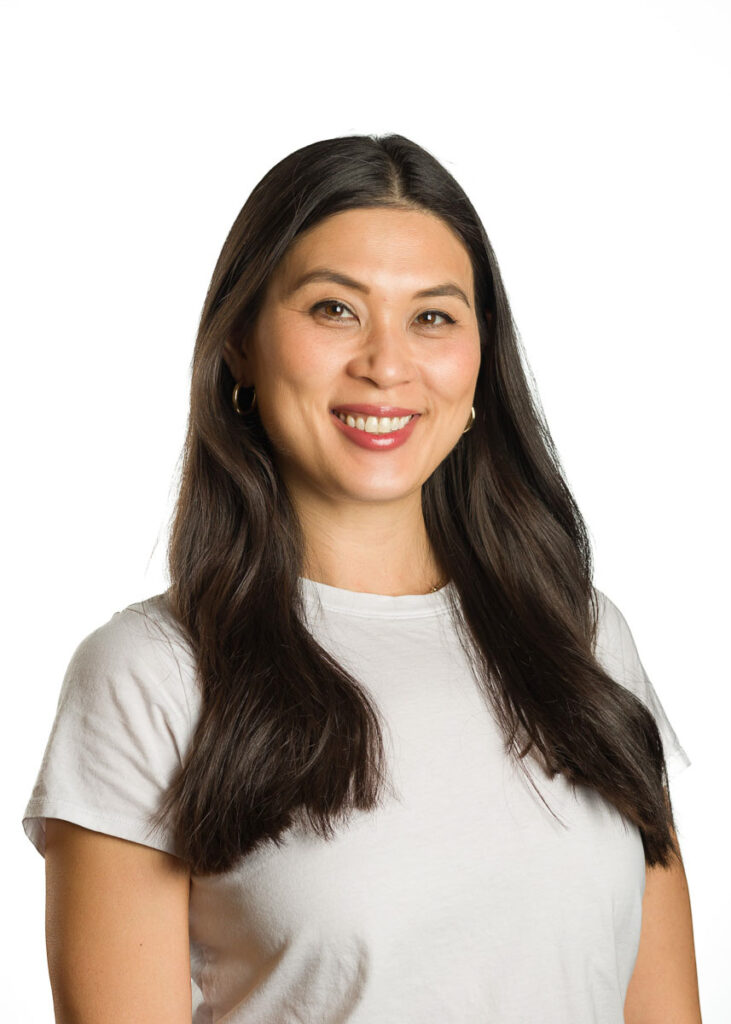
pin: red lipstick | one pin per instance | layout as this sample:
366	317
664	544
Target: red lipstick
375	442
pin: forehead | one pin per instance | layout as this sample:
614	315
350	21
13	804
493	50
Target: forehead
378	243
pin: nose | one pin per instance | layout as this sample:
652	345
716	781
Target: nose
385	356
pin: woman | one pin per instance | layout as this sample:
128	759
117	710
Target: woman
381	752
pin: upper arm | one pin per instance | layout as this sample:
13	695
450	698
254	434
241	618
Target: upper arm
663	988
116	929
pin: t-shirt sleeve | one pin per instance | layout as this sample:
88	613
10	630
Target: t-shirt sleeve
617	652
120	733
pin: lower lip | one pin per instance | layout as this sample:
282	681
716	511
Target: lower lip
377	442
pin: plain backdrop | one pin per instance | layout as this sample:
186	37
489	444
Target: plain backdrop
592	139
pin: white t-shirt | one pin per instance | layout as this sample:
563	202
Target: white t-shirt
461	902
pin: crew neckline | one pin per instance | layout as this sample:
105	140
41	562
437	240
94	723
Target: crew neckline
387	606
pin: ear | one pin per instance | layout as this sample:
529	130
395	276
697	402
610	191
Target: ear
235	358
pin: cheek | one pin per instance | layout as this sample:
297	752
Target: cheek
454	373
294	364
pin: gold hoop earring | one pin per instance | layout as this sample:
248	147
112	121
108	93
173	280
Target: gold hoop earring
242	412
472	420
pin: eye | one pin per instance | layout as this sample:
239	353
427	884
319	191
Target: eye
329	302
435	312
341	305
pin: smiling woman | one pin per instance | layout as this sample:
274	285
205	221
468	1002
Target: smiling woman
312	352
381	751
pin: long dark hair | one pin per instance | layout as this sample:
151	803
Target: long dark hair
284	731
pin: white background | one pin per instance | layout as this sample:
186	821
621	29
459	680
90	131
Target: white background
593	141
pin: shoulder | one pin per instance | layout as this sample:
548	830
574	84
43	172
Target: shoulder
612	626
609	613
123	723
140	648
146	628
608	631
615	646
616	651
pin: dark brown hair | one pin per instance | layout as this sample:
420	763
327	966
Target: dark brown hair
284	730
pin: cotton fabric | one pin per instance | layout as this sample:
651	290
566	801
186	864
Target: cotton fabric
461	901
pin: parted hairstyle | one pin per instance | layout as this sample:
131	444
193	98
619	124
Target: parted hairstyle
285	734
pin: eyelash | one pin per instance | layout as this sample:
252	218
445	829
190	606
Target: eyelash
337	302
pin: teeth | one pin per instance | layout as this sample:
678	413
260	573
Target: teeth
375	424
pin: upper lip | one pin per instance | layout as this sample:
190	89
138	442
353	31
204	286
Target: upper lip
376	410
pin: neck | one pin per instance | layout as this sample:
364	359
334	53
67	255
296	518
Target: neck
367	547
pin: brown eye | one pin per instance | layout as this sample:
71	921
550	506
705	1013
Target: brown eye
333	304
435	312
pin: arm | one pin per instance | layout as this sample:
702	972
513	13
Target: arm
116	929
663	988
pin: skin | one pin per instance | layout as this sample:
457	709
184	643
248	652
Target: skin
117	937
360	509
663	988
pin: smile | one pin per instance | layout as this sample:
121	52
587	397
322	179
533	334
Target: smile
375	433
374	424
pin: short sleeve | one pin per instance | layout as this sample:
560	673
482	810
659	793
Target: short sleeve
120	733
617	652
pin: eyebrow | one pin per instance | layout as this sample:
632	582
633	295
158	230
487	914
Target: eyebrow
325	274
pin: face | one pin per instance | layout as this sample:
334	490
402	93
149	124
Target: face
324	344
